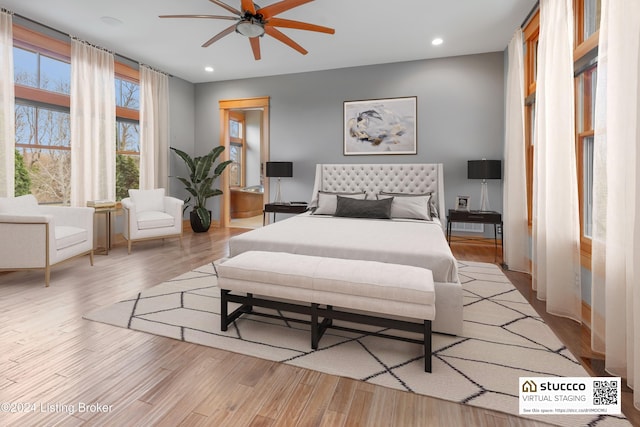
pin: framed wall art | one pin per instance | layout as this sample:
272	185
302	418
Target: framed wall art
380	126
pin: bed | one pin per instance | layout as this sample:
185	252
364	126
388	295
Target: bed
404	241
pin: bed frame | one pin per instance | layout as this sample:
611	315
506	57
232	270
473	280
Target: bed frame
414	178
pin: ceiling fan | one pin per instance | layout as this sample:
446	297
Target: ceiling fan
253	21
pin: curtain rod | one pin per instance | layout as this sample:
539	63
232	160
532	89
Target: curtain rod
55	30
531	12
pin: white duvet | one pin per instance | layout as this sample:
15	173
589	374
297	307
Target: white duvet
407	242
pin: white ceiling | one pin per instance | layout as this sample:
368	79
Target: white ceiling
367	32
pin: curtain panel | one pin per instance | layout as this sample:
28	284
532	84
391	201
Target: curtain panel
615	313
556	222
93	124
7	107
515	185
154	129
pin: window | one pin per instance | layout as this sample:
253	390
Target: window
43	138
35	70
587	19
236	149
127	157
43	126
585	115
530	52
42	75
587	24
127	94
127	137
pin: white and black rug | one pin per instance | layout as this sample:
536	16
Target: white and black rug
503	339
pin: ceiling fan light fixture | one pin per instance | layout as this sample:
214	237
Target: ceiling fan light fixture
250	28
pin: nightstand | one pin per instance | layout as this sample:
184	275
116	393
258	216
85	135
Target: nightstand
288	208
481	217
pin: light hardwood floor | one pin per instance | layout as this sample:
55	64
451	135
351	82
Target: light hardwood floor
52	357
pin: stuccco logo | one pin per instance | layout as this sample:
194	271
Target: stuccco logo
562	386
530	386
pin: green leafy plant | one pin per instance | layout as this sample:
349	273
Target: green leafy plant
201	180
22	177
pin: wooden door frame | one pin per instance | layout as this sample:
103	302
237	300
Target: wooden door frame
225	106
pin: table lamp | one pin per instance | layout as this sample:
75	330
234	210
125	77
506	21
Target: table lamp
279	170
484	169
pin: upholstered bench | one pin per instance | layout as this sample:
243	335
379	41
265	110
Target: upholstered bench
386	295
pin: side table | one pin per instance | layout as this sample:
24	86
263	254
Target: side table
481	217
288	208
107	211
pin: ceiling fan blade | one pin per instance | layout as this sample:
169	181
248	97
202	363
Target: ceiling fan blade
255	47
284	5
287	23
200	16
284	39
248	6
226	6
220	35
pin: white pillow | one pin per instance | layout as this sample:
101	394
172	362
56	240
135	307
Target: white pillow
148	200
328	202
409	206
21	205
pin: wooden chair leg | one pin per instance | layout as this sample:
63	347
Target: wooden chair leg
47	276
91	257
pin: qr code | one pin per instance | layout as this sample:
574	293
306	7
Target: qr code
605	392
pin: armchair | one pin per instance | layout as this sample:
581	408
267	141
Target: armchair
38	237
149	214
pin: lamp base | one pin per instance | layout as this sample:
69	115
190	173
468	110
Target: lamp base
484	197
278	200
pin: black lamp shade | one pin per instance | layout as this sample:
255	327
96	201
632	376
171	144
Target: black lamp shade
484	169
279	169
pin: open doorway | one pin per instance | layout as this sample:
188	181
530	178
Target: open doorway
244	125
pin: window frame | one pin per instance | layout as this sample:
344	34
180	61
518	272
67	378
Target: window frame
239	117
35	41
531	35
585	56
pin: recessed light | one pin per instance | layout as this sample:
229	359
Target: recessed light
111	21
437	41
208	69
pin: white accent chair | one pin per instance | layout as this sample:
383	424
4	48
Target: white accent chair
38	237
149	214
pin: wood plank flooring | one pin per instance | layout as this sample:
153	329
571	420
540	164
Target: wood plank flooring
53	358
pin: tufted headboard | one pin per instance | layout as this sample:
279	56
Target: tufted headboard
415	178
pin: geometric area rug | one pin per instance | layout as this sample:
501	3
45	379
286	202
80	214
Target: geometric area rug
503	339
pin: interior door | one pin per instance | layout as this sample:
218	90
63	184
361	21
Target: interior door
226	108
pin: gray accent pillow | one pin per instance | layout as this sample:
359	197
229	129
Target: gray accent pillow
410	206
354	208
327	201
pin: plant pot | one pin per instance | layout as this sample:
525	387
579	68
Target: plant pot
196	224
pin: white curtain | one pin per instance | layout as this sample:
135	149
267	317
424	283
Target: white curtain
154	129
515	237
556	226
7	107
616	234
93	124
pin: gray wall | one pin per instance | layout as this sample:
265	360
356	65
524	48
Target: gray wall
253	123
460	117
182	130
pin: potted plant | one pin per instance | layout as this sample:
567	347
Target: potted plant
200	185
